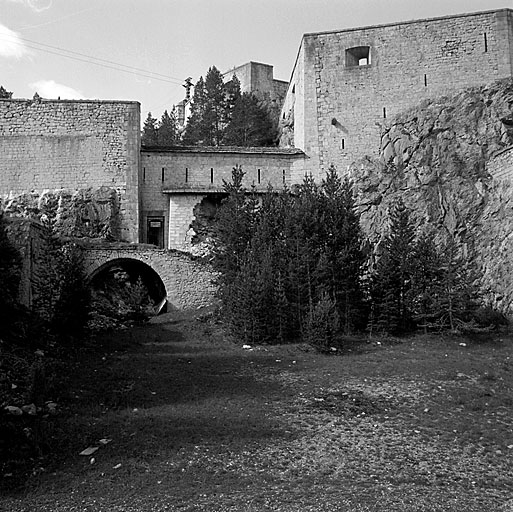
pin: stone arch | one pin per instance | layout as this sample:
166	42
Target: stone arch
187	282
134	267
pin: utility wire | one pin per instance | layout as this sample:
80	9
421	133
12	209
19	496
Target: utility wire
55	50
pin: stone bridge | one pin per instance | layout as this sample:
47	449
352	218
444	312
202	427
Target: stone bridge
184	281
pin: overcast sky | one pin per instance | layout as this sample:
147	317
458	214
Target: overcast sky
174	38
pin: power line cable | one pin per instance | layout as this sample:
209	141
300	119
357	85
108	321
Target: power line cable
101	62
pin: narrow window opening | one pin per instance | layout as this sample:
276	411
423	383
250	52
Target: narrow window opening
211	175
342	144
294	89
384	113
144	173
358	56
425	80
283	176
163	173
186	174
485	42
259	176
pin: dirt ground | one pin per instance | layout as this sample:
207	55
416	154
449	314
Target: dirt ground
185	420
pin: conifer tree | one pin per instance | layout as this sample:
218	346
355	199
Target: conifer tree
208	110
425	293
234	226
250	124
167	133
194	130
149	135
343	247
215	107
392	279
233	95
459	294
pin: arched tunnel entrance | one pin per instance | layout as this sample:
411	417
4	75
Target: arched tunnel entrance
125	286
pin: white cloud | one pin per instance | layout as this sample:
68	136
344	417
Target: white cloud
51	89
11	45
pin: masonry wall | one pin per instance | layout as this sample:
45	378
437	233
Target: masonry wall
189	282
72	145
175	181
339	109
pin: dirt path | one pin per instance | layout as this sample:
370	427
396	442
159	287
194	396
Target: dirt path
199	424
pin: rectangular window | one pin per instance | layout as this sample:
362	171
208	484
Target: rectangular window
485	42
211	175
163	173
384	113
186	174
144	173
358	56
259	176
283	176
343	144
425	80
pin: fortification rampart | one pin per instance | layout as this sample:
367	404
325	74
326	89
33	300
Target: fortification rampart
175	180
346	84
72	145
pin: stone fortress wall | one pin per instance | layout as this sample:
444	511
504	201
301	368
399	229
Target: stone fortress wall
175	180
72	145
346	84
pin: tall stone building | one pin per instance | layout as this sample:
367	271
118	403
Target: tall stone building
345	84
258	79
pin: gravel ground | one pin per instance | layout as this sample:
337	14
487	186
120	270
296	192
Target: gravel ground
200	424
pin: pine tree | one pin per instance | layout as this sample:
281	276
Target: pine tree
233	95
250	124
392	279
149	135
343	241
458	289
234	225
194	129
167	133
215	107
425	292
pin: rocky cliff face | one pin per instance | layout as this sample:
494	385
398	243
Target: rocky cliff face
437	158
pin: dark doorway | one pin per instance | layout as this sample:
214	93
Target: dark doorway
155	231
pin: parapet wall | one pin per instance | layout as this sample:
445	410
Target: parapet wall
72	145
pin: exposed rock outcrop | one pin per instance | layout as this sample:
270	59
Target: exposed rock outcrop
438	158
85	213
